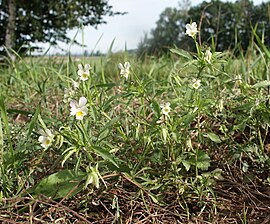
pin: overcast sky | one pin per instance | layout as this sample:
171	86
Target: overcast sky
128	29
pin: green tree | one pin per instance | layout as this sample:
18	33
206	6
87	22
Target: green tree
229	24
168	31
24	22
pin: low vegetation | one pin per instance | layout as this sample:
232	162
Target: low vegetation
177	139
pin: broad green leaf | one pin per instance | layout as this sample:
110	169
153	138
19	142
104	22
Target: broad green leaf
186	164
187	119
203	160
121	167
214	137
64	183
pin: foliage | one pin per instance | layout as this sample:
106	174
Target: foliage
48	21
227	23
168	139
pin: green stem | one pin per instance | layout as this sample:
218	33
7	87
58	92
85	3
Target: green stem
260	140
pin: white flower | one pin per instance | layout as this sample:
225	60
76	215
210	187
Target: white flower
75	84
78	108
191	29
124	70
166	108
208	56
83	72
196	83
46	138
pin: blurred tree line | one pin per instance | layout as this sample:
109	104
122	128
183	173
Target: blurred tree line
224	26
24	22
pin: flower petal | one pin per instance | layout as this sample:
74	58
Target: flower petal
188	27
80	67
127	65
73	104
84	109
87	67
82	101
194	25
41	139
73	111
120	66
48	132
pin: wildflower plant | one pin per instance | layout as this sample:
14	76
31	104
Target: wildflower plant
124	69
116	133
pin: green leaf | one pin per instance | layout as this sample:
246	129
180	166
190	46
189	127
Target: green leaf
105	155
186	164
203	160
106	85
182	53
164	134
156	108
187	119
33	122
214	137
64	183
245	167
68	153
109	124
261	84
5	121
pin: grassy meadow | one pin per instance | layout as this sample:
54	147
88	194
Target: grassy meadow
179	139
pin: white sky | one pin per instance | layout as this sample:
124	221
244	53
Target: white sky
128	29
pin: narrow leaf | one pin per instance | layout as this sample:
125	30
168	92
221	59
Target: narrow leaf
33	122
261	84
105	155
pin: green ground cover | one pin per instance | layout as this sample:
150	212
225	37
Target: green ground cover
177	139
